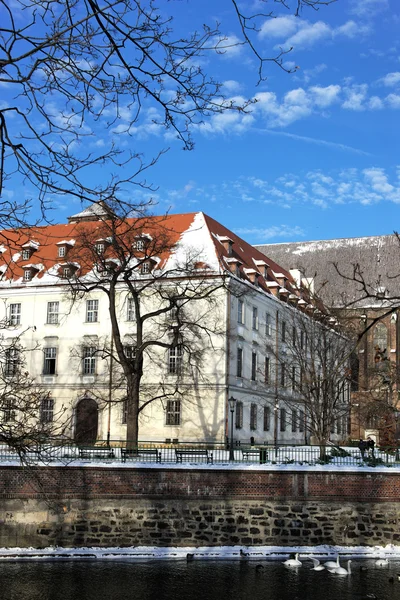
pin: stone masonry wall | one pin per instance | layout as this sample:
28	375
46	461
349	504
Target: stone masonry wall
71	506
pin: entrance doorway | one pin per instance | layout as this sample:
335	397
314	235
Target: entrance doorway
86	421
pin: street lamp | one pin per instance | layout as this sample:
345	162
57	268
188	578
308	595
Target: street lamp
232	404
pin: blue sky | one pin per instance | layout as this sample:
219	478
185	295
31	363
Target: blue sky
317	157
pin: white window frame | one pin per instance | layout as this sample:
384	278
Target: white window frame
89	360
255	318
26	253
52	312
15	314
49	360
27	274
47	410
62	251
268	325
175	355
11	362
241	313
173	413
130	309
145	268
92	311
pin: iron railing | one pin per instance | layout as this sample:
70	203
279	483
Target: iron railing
196	453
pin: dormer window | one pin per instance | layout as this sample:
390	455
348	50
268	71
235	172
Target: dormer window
64	247
227	243
141	242
145	268
68	270
28	275
29	272
26	254
28	249
100	248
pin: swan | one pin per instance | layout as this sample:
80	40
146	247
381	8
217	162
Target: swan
382	562
330	564
317	565
293	562
342	570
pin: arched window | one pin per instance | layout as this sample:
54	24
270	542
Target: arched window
380	342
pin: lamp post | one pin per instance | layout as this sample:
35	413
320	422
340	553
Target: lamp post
232	404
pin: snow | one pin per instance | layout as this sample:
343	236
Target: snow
195	243
259	553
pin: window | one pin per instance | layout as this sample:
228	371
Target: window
283	331
130	351
100	247
145	268
130	309
89	360
267	418
283	374
301	421
282	419
139	244
62	251
11	362
253	366
15	314
253	416
240	316
52	312
27	275
268	324
173	412
92	311
46	410
175	359
239	362
26	254
267	370
50	357
294	337
255	318
293	379
239	415
294	420
8	410
124	415
66	272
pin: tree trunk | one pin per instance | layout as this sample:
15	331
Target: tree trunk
132	413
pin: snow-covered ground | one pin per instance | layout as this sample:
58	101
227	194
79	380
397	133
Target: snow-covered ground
259	553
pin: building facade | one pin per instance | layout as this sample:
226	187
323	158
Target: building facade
218	320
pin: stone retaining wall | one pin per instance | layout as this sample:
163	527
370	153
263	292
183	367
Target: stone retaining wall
101	507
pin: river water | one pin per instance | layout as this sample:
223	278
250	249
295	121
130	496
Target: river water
197	580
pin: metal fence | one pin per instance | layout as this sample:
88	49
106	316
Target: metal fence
196	453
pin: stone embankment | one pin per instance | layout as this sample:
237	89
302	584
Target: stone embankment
104	507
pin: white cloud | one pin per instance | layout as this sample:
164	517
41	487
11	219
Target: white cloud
391	79
356	96
229	46
325	96
280	27
378	180
368	8
375	103
276	231
231	85
309	34
393	100
351	30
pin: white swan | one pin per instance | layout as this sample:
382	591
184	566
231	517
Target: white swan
293	562
342	570
330	564
317	565
382	562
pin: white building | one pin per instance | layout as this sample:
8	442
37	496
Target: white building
238	332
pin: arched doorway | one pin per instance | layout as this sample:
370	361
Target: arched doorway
86	421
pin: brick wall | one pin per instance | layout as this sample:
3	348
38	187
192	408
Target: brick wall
72	506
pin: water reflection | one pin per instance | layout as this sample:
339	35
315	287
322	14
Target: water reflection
198	580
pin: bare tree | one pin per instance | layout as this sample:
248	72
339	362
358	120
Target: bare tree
169	297
312	374
72	68
27	410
